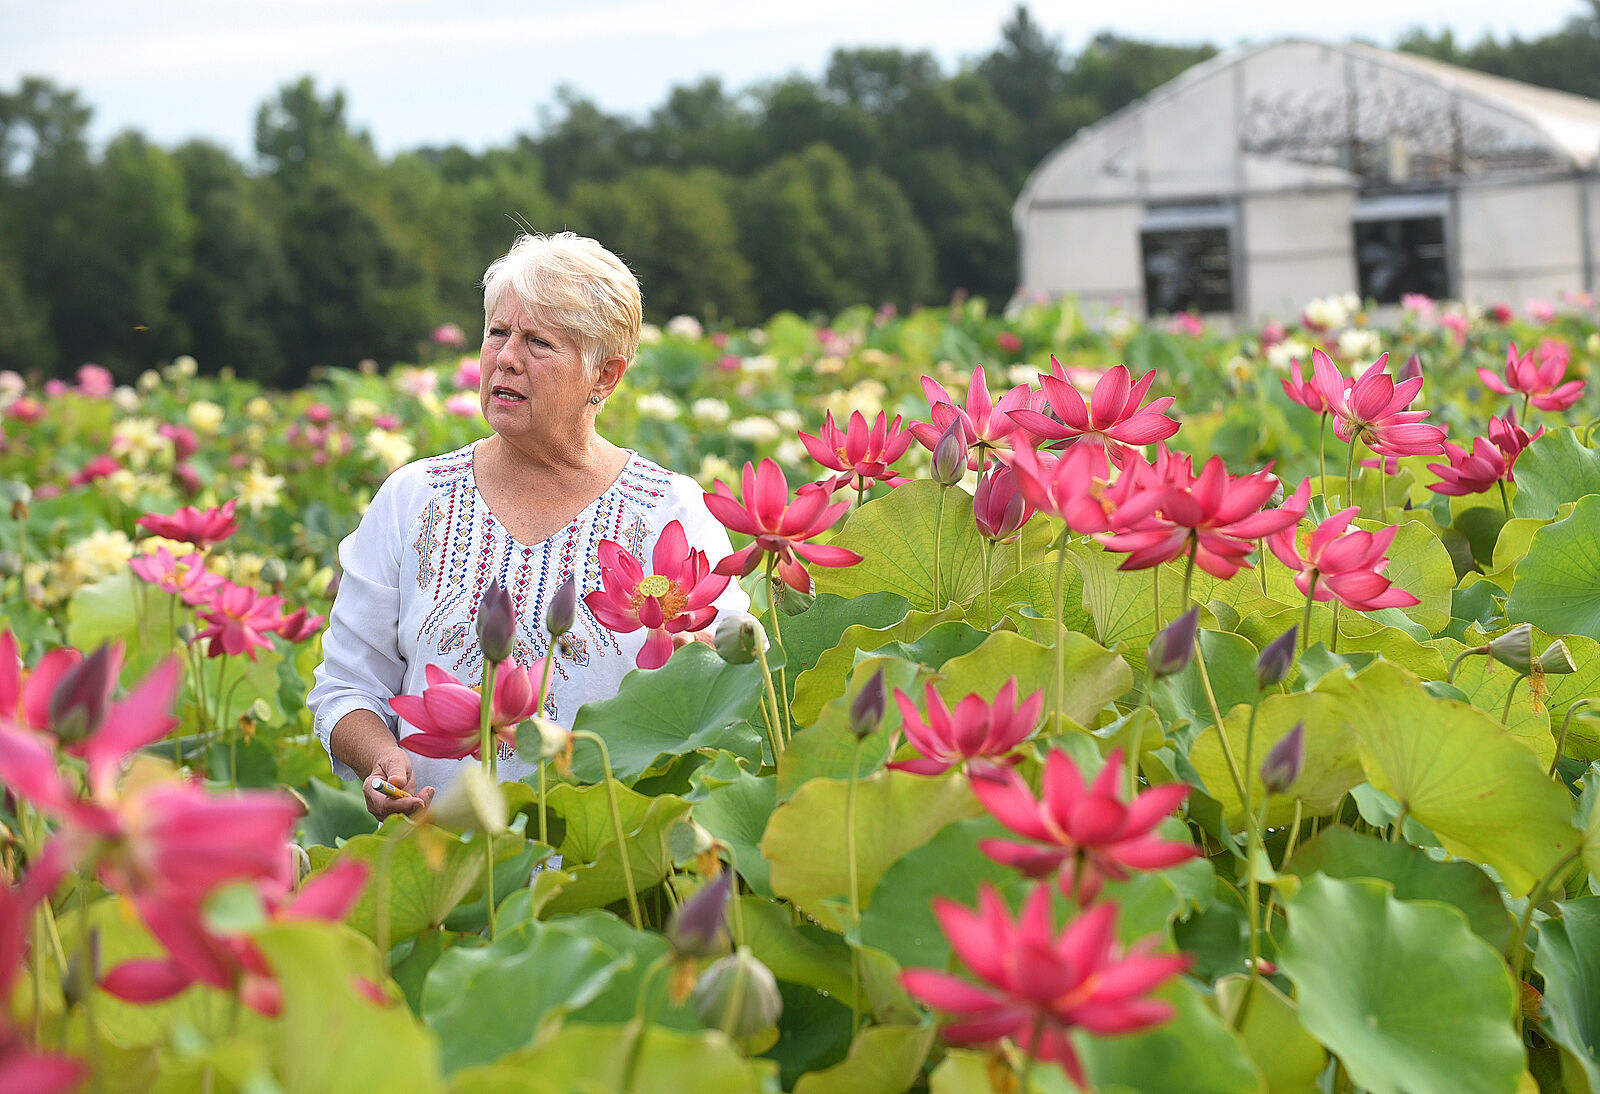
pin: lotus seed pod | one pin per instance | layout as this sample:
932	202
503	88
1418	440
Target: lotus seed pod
738	994
1514	649
274	572
1557	660
541	739
739	638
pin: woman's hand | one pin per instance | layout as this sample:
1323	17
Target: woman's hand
393	765
683	638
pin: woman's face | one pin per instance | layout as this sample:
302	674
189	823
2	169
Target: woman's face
533	382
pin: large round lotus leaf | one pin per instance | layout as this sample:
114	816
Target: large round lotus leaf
1290	1059
1340	852
486	1001
1558	583
1555	469
425	882
881	1059
1195	1052
1484	793
1403	993
1420	564
895	537
895	812
1094	675
584	1057
696	700
589	845
929	637
1569	960
827	749
331	1037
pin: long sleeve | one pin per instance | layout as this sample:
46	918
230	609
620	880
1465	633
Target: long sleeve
362	666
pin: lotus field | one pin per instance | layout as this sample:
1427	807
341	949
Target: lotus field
1139	708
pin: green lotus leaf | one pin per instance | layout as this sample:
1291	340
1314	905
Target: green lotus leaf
736	813
1403	992
895	812
695	701
894	535
1029	599
589	847
819	628
826	679
800	953
1094	675
881	1059
1556	468
1558	581
1568	958
828	749
583	1057
1196	1053
1289	1058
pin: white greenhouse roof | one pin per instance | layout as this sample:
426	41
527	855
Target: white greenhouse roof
1297	113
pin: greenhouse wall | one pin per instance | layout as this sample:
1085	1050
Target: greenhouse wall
1520	241
1298	247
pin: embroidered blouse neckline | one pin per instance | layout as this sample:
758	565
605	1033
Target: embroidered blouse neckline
479	502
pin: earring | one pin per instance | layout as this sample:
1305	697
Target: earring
594	400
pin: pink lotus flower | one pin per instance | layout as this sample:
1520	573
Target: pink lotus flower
1457	325
95	381
780	527
449	334
1036	985
1419	304
26	410
1373	410
1008	342
1112	416
1539	311
25	696
234	963
319	414
22	1069
1188	324
1489	462
1338	561
240	620
1501	313
201	527
301	625
1539	383
184	442
861	454
468	375
93	471
463	404
1087	833
1307	392
975	729
999	506
1272	332
185	577
1074	486
988	425
447	712
1214	516
674	599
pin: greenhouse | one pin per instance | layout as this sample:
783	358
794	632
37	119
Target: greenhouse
1277	173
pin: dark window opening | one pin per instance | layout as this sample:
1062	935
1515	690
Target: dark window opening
1401	256
1187	269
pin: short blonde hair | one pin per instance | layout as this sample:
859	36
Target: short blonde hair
575	283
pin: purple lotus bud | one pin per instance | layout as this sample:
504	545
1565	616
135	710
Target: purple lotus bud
1273	666
866	709
81	697
695	929
333	584
1410	370
1514	649
950	455
562	609
738	995
497	623
1282	767
1173	646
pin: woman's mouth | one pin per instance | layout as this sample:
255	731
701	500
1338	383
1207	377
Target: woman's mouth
505	394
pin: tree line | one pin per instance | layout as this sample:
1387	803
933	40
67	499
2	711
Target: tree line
886	180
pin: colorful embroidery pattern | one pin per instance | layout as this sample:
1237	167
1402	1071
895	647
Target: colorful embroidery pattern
426	543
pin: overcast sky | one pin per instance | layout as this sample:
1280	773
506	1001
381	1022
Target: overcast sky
476	72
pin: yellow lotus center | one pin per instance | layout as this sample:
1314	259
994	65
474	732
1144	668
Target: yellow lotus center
655	585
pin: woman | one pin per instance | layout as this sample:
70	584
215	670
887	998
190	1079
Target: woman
528	506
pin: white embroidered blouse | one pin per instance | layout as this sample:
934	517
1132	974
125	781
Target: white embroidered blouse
420	560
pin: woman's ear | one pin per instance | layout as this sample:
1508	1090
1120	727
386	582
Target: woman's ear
610	375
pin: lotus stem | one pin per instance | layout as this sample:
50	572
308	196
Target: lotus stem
1305	622
1061	630
1155	594
1216	717
616	825
1349	475
634	1038
1337	604
1450	677
855	886
1505	502
1188	574
938	534
775	723
486	756
1505	713
988	611
544	823
784	714
1561	741
1517	952
1322	454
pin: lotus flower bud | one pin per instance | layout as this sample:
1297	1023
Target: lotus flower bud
695	929
866	709
1283	764
497	623
1514	649
274	572
473	802
950	455
739	638
562	610
1273	666
1410	370
1557	660
81	697
539	739
333	584
738	994
1172	648
790	601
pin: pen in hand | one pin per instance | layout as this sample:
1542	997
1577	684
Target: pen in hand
388	789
